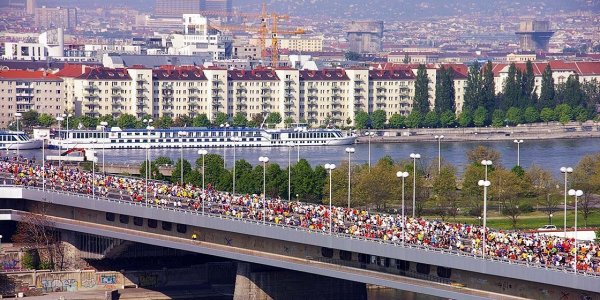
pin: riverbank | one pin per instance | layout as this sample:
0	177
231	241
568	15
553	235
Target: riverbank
539	131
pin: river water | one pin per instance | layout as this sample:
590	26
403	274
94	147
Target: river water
550	154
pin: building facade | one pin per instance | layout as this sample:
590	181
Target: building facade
56	17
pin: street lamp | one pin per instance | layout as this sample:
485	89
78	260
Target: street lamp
486	163
349	150
224	126
576	193
370	134
181	135
518	142
67	116
298	130
439	139
59	119
43	137
566	171
0	243
403	175
203	153
147	147
264	160
485	184
551	219
18	116
330	168
234	139
149	127
414	156
103	124
290	146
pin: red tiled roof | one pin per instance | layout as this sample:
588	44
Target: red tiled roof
30	75
583	68
256	74
322	75
70	70
391	74
105	74
183	73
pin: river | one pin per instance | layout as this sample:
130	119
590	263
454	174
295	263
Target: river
550	154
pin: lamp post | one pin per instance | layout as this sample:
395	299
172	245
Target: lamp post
330	168
370	134
18	116
439	140
518	142
0	243
59	119
264	160
403	175
224	127
43	136
290	146
67	116
298	130
103	124
551	219
566	171
94	161
234	139
486	163
576	193
485	184
181	135
147	147
203	153
349	150
414	157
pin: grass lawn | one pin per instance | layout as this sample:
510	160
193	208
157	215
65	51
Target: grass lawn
532	220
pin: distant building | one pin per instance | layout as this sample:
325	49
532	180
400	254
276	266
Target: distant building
225	6
21	91
365	36
30	6
56	17
199	38
519	57
534	35
413	57
50	45
176	8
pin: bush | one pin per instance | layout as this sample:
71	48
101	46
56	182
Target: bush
46	265
31	260
526	208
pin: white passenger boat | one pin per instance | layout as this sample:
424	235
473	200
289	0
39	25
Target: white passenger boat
13	140
116	138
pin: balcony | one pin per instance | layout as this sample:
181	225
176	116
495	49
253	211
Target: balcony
336	89
115	88
192	89
381	89
312	89
289	81
141	80
90	88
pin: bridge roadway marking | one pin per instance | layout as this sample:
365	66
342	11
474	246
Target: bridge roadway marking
282	261
586	282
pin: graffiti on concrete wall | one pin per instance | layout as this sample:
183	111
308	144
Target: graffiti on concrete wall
59	285
108	279
148	280
10	261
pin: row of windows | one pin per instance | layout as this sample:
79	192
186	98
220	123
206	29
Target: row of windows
137	221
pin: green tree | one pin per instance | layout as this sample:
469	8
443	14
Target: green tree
246	180
488	89
531	115
513	116
220	118
586	177
304	182
126	121
274	118
352	56
473	88
108	119
397	121
471	192
479	153
444	192
421	99
361	120
507	188
563	113
480	116
240	120
528	90
573	94
580	114
547	114
547	92
257	120
448	118
29	119
465	118
498	118
201	120
415	119
164	122
431	119
88	121
511	90
46	120
376	187
378	119
183	121
276	181
176	174
154	171
445	93
289	120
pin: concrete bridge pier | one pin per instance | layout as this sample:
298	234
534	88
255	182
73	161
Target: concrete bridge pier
255	282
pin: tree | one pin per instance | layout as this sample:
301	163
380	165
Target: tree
397	121
240	120
421	99
46	120
431	119
547	92
246	181
415	119
586	177
304	182
257	120
213	168
465	118
201	120
448	118
274	118
406	59
488	89
353	56
378	119
563	113
176	174
220	118
531	115
544	186
126	121
183	121
445	93
573	94
29	119
154	171
377	187
471	191
164	122
473	88
480	116
513	116
444	192
289	120
110	121
511	89
361	120
479	153
276	184
507	188
498	118
547	114
528	94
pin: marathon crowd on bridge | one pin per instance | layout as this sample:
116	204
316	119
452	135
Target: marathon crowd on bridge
532	248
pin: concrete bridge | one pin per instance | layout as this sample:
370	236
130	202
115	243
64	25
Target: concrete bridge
407	267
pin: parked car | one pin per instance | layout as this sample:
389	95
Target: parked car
547	227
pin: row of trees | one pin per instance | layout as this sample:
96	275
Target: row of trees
513	192
32	119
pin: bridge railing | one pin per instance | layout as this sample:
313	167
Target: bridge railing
397	243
